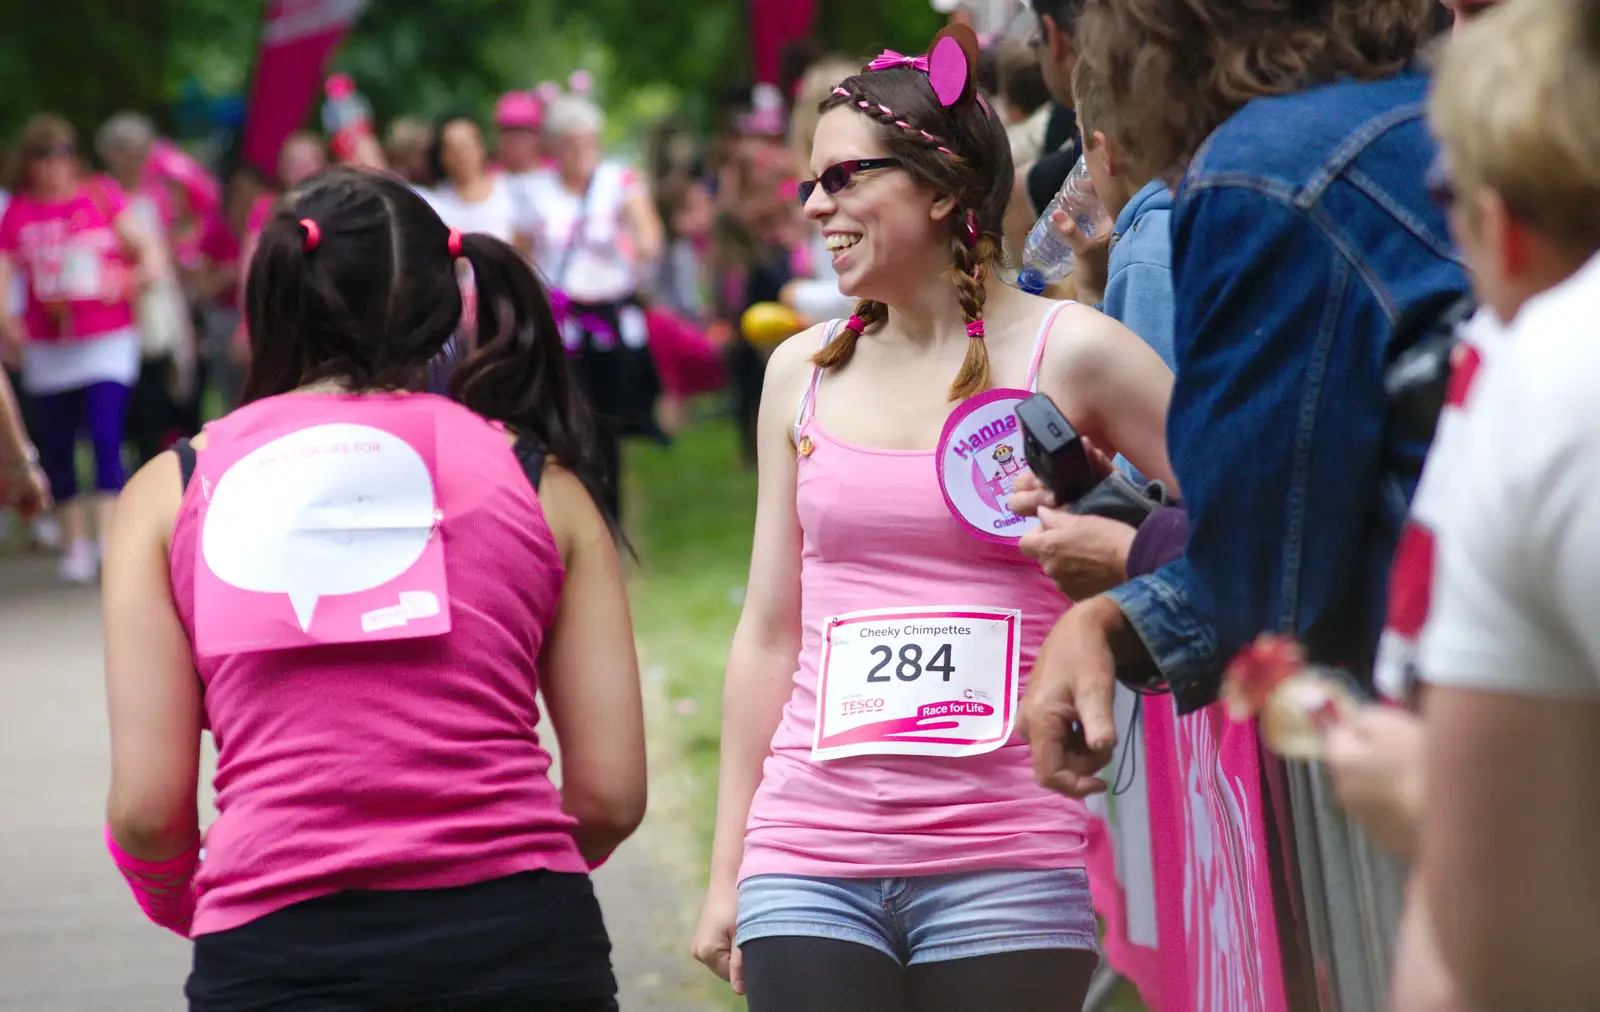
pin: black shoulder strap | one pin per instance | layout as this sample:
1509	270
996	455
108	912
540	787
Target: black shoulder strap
532	457
186	460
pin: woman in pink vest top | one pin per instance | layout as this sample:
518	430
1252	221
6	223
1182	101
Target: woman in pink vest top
84	263
360	591
881	845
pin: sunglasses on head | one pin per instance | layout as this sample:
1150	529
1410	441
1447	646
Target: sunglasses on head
43	151
836	177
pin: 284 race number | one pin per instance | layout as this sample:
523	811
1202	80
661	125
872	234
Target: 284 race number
910	666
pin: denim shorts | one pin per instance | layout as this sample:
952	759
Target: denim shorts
927	919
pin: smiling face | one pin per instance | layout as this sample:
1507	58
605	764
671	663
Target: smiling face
1002	453
886	231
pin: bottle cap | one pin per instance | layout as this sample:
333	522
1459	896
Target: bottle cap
1031	281
340	86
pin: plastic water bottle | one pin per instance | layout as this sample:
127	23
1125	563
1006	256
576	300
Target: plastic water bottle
346	116
1046	257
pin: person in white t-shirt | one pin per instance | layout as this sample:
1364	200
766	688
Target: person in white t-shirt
468	196
1509	648
596	234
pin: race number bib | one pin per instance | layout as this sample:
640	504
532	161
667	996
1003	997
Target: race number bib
917	681
82	277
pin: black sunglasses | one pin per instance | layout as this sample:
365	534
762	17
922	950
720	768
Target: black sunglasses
836	177
43	151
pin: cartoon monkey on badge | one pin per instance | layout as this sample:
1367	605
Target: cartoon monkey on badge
1010	466
1007	458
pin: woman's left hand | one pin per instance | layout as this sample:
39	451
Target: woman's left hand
1376	759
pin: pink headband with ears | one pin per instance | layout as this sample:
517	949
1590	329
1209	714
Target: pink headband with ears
945	65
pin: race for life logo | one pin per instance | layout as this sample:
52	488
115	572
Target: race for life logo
980	456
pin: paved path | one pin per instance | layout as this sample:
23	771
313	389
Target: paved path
71	939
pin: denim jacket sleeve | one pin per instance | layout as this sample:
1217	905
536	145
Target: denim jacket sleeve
1274	433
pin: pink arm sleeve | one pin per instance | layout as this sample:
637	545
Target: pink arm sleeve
164	890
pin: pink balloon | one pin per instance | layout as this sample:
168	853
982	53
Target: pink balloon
947	71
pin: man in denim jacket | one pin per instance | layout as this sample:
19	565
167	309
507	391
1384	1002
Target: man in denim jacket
1302	231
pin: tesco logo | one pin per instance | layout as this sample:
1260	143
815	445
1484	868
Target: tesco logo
856	706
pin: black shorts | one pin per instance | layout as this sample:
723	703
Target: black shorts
533	942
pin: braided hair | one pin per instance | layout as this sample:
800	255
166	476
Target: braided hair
961	151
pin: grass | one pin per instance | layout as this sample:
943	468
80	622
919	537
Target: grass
692	511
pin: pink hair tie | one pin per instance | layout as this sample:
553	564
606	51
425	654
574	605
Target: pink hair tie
975	329
313	234
453	244
856	324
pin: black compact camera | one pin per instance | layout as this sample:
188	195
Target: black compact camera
1054	450
1057	455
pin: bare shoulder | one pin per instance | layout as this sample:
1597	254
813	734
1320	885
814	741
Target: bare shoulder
1085	343
570	511
789	368
792	359
148	505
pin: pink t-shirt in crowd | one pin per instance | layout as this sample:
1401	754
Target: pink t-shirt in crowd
71	261
219	247
401	764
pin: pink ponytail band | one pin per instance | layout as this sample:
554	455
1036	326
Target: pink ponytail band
313	234
975	329
856	324
454	243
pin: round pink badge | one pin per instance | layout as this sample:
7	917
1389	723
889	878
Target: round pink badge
980	455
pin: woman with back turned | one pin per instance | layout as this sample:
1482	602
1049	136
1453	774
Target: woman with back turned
363	621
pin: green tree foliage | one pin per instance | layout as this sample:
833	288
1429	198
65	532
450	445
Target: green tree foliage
88	58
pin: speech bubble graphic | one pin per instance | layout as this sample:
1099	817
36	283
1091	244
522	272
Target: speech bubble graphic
324	511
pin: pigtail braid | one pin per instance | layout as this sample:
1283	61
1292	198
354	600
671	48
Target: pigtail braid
838	351
969	272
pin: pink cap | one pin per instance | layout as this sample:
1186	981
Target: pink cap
519	109
340	86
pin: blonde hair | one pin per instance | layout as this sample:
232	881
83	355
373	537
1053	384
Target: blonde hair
1514	107
818	83
573	114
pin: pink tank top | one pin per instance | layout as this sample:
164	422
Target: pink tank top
878	535
408	764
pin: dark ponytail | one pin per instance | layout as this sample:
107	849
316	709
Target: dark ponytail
518	373
368	294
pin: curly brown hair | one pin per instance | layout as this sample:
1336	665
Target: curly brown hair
962	151
1176	69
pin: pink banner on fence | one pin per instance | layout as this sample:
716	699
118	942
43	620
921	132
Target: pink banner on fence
773	25
297	38
1216	932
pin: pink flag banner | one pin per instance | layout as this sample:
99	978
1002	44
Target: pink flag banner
1180	873
297	39
773	25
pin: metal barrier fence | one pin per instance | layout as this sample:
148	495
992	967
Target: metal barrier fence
1352	895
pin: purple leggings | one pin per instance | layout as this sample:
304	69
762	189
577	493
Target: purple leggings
99	408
